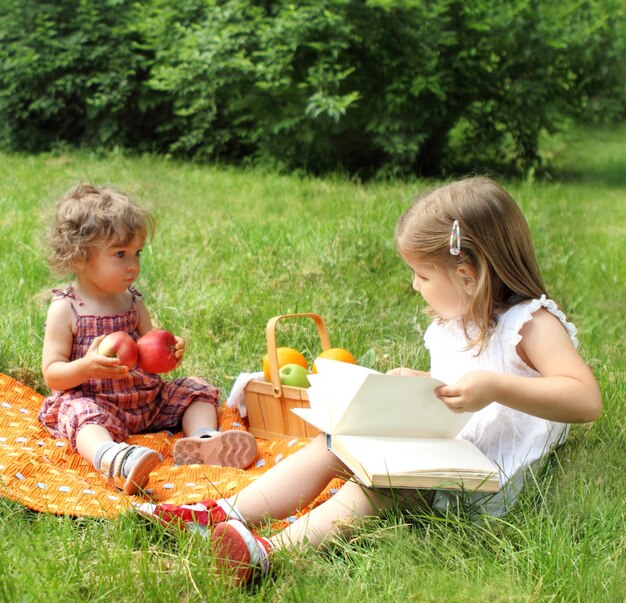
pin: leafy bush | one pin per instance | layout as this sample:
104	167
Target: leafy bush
71	71
368	86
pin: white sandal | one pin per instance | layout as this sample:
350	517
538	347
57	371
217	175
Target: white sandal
232	448
112	466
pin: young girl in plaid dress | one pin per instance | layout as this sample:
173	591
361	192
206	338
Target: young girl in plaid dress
98	234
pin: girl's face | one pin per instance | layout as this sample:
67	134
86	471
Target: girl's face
446	292
111	269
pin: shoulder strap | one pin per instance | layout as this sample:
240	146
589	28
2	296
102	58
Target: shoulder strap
134	294
68	293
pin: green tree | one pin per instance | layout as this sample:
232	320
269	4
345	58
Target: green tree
413	86
71	71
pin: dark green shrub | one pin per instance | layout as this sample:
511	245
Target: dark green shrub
368	86
399	86
71	71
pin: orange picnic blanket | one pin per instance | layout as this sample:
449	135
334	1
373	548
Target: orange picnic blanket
45	475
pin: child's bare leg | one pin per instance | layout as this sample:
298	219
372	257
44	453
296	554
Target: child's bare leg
199	416
331	517
203	444
239	551
291	484
90	438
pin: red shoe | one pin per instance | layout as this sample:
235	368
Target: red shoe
238	552
193	517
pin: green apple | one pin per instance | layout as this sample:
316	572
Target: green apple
293	375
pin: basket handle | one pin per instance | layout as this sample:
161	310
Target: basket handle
270	333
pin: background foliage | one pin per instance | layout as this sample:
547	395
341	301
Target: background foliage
366	86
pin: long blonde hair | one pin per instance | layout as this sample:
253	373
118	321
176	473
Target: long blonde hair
90	216
494	240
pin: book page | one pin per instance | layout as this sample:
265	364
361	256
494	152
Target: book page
393	456
352	399
310	416
318	399
339	382
400	406
318	413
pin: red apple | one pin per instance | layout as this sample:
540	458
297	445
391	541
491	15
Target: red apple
156	351
119	345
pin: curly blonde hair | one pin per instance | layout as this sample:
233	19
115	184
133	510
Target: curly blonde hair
90	216
494	240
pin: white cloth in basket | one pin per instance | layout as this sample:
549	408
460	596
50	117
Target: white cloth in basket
237	399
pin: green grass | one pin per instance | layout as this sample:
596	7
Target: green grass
234	248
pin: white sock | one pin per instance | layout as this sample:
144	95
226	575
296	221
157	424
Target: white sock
230	508
204	432
97	458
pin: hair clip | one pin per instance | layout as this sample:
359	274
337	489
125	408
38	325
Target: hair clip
455	239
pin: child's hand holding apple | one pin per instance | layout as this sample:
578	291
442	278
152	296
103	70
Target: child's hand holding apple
110	356
179	348
158	351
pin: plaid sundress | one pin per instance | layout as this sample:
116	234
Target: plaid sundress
139	403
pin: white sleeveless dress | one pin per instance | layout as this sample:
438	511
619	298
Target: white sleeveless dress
512	440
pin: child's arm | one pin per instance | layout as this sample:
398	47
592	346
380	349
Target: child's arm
566	391
58	371
144	321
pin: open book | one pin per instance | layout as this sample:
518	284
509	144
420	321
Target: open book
392	431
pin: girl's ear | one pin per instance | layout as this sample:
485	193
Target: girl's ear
468	278
79	265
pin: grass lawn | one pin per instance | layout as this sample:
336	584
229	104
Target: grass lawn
234	248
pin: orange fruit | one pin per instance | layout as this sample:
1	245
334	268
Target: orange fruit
285	356
335	354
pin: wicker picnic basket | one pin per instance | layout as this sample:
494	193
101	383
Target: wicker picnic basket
269	404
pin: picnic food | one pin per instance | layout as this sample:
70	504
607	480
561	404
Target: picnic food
119	345
285	356
156	351
335	354
293	375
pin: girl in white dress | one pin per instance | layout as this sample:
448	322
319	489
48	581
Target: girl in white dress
503	347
